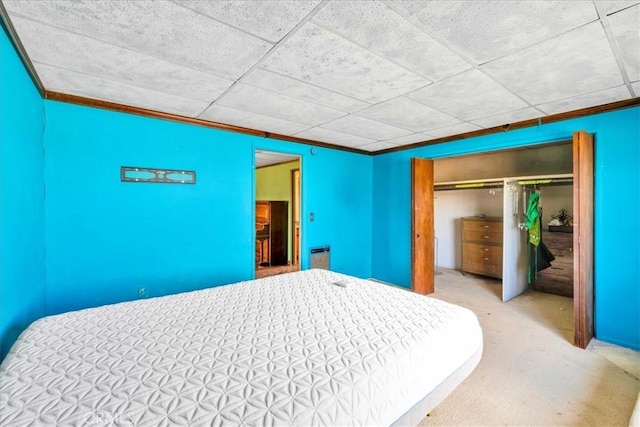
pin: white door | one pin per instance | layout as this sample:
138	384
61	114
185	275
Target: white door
514	256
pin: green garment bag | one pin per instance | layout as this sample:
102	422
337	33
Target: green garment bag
532	224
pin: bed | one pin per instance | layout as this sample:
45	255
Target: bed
307	348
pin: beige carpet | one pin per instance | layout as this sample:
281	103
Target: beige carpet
530	373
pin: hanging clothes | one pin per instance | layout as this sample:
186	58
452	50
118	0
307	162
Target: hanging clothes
532	224
539	256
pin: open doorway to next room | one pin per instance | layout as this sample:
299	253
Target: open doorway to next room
277	213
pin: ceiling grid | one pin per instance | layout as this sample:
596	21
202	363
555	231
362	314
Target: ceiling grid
363	75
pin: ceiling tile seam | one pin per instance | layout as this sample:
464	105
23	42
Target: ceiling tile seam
409	17
129	48
309	125
270	52
538	106
120	82
541	115
296	98
271	42
373	52
314	85
531	104
624	8
419	25
337	131
608	31
353	134
155	88
403	126
346	113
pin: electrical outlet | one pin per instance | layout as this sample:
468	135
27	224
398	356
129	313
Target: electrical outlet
142	292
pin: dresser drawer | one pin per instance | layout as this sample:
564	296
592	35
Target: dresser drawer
482	236
482	254
489	226
484	269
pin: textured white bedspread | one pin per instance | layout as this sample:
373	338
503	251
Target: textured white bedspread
285	350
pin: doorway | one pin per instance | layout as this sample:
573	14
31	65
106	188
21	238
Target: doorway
422	262
277	213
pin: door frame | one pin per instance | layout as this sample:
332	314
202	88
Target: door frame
295	206
423	270
254	199
422	227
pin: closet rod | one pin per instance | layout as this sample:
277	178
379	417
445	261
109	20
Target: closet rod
550	181
468	186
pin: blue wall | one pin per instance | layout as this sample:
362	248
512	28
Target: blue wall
22	254
617	203
106	239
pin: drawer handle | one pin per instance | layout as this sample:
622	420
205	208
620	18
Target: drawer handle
485	237
485	249
486	258
485	226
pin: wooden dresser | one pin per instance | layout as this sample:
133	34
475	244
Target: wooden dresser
557	279
271	232
482	246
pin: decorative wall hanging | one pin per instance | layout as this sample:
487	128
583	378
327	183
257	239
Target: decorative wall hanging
158	176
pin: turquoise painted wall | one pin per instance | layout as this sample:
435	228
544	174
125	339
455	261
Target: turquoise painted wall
107	239
22	252
617	202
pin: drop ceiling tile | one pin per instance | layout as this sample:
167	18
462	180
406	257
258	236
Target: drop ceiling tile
270	20
636	88
589	100
508	118
302	90
453	130
407	113
231	116
612	6
333	137
484	30
374	26
409	139
49	45
163	29
572	64
61	80
324	59
468	96
360	126
261	101
625	26
265	158
377	146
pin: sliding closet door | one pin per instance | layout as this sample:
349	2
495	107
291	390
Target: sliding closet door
583	237
422	230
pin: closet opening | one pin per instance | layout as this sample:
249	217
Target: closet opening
277	213
480	224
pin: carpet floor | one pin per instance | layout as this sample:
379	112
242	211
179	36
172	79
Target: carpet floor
530	373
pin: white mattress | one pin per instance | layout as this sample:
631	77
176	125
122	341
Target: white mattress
292	349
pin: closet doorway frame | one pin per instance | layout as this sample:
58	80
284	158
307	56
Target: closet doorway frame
423	232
